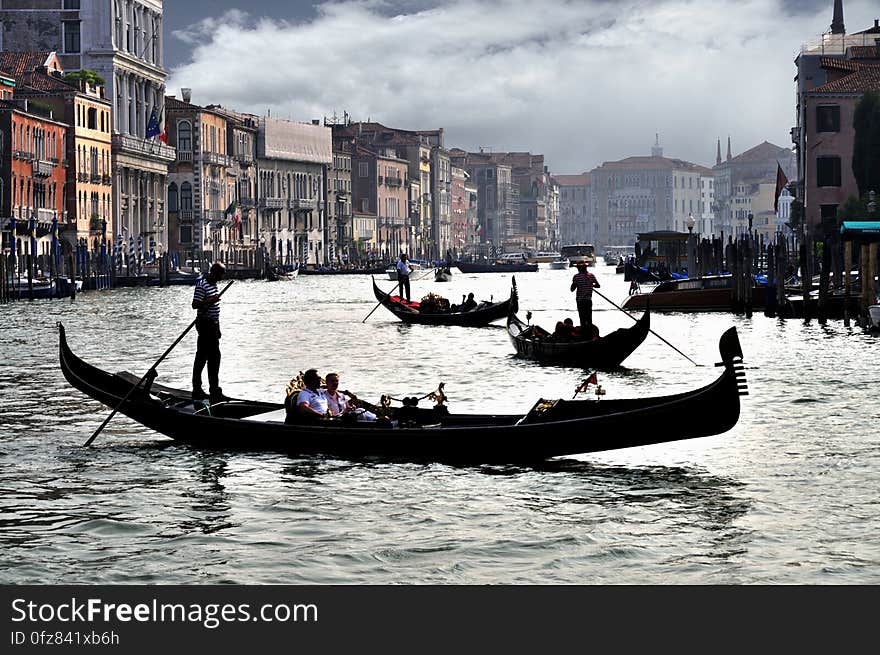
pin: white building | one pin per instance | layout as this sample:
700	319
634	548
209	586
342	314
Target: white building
292	162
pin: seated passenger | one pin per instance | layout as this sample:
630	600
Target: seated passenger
570	329
344	403
468	304
311	402
560	331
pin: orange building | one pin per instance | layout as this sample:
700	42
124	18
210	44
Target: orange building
32	171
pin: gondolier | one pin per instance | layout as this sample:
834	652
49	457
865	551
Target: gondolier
205	302
404	270
582	284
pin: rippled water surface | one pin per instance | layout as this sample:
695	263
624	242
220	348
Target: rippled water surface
788	496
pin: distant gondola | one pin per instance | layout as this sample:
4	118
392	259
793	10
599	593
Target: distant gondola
608	352
551	428
482	314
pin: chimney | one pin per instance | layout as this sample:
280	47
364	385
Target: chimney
186	94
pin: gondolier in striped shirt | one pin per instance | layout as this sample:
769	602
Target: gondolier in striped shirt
582	284
206	302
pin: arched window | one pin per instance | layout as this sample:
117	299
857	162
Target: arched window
184	136
172	197
186	197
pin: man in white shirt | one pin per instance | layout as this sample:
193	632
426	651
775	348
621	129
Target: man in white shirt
312	401
403	272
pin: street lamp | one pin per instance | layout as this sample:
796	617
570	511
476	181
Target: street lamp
691	247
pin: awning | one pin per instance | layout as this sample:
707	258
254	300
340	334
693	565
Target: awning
861	230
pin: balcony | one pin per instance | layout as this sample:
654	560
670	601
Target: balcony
303	204
184	156
244	159
271	203
23	154
42	168
394	181
107	180
216	158
95	178
150	148
217	217
245	201
185	215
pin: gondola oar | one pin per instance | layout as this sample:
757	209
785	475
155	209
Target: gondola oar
150	372
387	293
601	295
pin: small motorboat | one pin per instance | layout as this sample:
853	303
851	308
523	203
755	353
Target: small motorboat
560	264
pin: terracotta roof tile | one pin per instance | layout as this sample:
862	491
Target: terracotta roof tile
48	83
866	78
23	62
864	52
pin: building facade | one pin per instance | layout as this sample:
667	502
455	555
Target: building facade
292	163
122	41
833	72
33	173
738	184
644	194
575	209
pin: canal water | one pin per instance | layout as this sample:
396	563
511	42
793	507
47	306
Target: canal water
789	496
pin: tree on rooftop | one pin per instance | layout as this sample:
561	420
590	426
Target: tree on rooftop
89	76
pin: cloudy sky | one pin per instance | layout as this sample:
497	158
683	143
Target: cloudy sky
581	81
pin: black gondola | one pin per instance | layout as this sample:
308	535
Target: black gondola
549	429
608	352
481	315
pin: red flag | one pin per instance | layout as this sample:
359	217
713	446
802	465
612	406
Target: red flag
781	182
583	386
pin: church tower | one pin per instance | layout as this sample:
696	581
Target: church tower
718	155
728	148
657	150
837	26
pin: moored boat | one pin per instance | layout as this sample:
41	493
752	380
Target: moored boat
710	293
496	267
418	312
551	428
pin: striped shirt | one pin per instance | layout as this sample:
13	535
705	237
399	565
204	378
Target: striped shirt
584	283
205	289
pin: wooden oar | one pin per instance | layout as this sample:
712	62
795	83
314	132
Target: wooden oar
388	293
601	295
150	372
